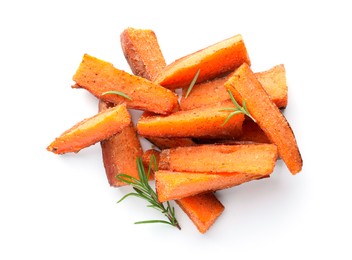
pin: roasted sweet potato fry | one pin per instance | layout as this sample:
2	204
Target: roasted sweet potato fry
142	52
120	152
199	122
98	77
213	61
91	130
213	91
245	86
220	158
274	83
171	185
202	209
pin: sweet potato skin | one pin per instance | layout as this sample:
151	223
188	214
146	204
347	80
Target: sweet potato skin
91	130
142	52
199	122
98	76
172	185
244	85
120	152
212	61
220	158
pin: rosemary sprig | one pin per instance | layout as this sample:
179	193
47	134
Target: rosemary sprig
117	93
144	191
193	82
237	109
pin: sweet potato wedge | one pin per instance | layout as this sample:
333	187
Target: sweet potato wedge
120	152
245	86
213	61
172	185
199	122
91	130
98	76
142	52
202	209
213	91
220	158
274	83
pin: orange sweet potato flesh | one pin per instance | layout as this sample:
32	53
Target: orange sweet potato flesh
142	52
202	209
245	86
213	61
172	185
98	76
212	91
199	122
91	130
120	152
220	158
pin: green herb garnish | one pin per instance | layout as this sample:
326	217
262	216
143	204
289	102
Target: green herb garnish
117	93
192	83
237	109
144	191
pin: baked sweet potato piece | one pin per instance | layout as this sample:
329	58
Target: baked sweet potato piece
142	52
172	185
120	152
213	61
202	209
98	76
91	130
220	158
245	86
199	122
213	91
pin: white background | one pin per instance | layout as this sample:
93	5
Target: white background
61	207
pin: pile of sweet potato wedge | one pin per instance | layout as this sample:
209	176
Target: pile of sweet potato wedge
197	153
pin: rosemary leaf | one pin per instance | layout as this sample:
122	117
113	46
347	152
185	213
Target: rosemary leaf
144	191
117	93
237	109
192	83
